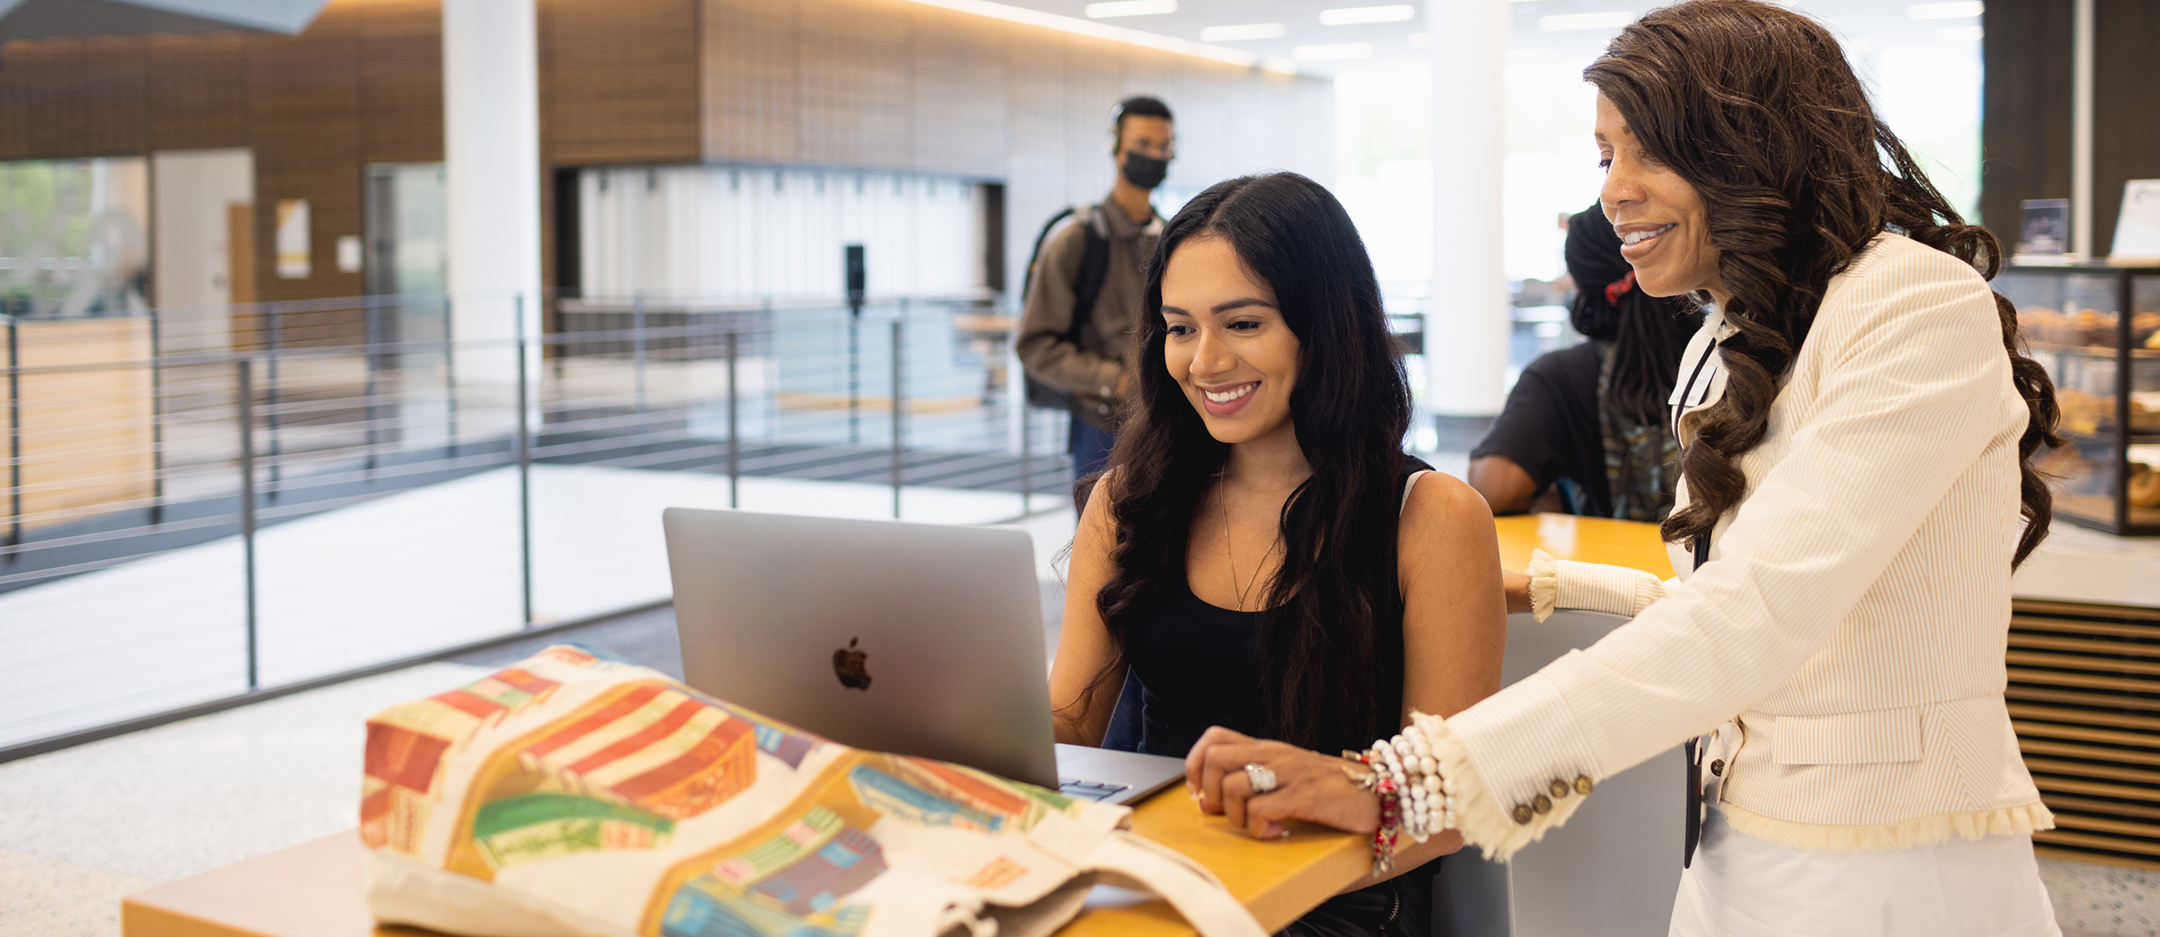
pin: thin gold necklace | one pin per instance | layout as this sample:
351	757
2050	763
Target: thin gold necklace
1222	500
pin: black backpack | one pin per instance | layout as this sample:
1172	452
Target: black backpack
1094	268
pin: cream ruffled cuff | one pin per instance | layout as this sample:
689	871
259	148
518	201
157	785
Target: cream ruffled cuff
1479	816
1595	587
1544	583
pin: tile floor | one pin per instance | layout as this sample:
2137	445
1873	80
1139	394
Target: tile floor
2094	900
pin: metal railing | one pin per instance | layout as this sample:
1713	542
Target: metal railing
293	494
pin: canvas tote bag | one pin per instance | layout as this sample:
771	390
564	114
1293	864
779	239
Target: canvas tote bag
576	795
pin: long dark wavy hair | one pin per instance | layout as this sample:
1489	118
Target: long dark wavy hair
1756	107
1648	333
1351	407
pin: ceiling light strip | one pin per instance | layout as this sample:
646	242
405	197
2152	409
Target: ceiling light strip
1114	8
1243	32
1353	16
1024	16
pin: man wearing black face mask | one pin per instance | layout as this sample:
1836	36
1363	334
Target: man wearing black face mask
1084	286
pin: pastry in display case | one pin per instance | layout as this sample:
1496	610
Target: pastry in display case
2096	328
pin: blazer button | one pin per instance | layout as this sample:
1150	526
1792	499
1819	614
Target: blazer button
1542	804
1582	784
1522	813
1717	768
1558	788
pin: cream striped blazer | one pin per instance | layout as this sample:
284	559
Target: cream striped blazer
1852	618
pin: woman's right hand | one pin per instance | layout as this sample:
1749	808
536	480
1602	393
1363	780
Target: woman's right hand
1308	786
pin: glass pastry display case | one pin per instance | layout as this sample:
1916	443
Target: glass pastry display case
2096	329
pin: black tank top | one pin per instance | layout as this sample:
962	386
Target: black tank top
1199	666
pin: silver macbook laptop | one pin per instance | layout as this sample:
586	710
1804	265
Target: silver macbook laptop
913	638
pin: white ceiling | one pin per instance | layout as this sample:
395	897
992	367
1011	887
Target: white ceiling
1864	25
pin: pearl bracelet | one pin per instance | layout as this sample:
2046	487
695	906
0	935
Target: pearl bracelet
1414	796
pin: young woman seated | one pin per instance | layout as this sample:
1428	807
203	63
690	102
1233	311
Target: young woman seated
1261	552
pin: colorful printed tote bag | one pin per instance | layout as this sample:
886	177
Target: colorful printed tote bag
575	795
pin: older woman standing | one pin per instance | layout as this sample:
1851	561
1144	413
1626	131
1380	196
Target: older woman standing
1857	487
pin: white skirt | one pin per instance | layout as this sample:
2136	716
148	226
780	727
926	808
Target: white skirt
1740	886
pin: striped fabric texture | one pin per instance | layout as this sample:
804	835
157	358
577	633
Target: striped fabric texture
1853	614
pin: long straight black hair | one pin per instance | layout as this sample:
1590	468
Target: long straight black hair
1350	407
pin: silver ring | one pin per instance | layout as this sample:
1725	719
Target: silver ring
1263	779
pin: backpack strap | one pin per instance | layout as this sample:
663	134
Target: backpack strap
1094	268
1027	280
1094	262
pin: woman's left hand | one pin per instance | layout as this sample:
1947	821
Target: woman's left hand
1308	786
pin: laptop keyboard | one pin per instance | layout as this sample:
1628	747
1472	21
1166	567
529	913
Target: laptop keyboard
1090	790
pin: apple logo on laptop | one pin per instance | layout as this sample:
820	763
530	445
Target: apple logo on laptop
852	665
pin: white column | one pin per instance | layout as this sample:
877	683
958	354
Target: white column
1467	318
491	151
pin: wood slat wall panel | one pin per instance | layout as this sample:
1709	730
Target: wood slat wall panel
2060	714
401	107
79	108
749	81
198	91
2107	661
2094	751
2097	646
855	84
958	94
619	81
2040	610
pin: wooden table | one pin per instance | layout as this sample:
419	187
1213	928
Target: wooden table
315	889
1589	539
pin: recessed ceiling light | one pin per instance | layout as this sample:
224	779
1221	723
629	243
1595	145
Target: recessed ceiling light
1332	53
1241	33
1568	22
1945	11
1113	8
1958	34
1351	16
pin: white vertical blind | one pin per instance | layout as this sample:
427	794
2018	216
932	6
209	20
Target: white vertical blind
737	232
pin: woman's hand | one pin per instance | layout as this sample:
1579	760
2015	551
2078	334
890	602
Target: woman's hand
1308	786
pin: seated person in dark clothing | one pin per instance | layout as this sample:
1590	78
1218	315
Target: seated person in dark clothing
1261	552
1584	431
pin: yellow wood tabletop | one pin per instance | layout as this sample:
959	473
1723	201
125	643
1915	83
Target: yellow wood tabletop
316	889
1278	880
1589	539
